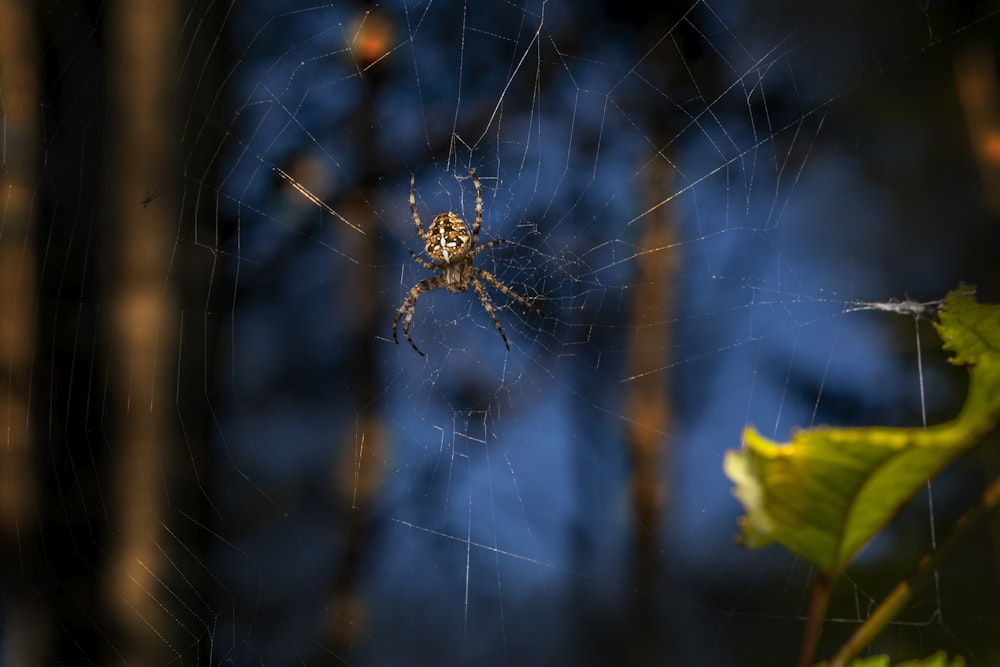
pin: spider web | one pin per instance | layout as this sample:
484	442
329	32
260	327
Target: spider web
722	209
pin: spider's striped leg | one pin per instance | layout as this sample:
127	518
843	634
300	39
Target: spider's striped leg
423	262
413	208
479	206
410	305
492	280
478	249
488	307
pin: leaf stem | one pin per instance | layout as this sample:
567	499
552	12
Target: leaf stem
818	601
901	594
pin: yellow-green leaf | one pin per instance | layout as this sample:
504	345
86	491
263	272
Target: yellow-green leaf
939	659
826	493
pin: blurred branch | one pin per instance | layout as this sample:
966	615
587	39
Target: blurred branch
894	602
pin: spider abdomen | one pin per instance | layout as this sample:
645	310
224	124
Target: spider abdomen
447	238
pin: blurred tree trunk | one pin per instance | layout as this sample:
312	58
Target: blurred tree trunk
678	64
28	628
143	128
979	94
358	473
647	400
976	78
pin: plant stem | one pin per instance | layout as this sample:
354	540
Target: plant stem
818	601
901	594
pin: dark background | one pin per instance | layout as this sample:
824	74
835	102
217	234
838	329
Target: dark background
215	454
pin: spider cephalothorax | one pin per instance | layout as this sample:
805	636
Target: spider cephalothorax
451	246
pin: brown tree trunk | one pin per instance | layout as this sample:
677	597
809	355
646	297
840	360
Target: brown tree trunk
976	78
647	401
979	94
358	473
140	233
28	632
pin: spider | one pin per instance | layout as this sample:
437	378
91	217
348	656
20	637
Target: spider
451	248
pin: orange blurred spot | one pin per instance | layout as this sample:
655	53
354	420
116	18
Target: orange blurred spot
372	39
991	146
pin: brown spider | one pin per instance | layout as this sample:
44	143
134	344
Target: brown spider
451	247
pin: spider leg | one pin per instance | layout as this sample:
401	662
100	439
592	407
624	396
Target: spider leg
413	208
410	305
424	263
492	280
478	249
479	207
488	307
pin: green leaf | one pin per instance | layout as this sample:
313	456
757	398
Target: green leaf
939	659
826	493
